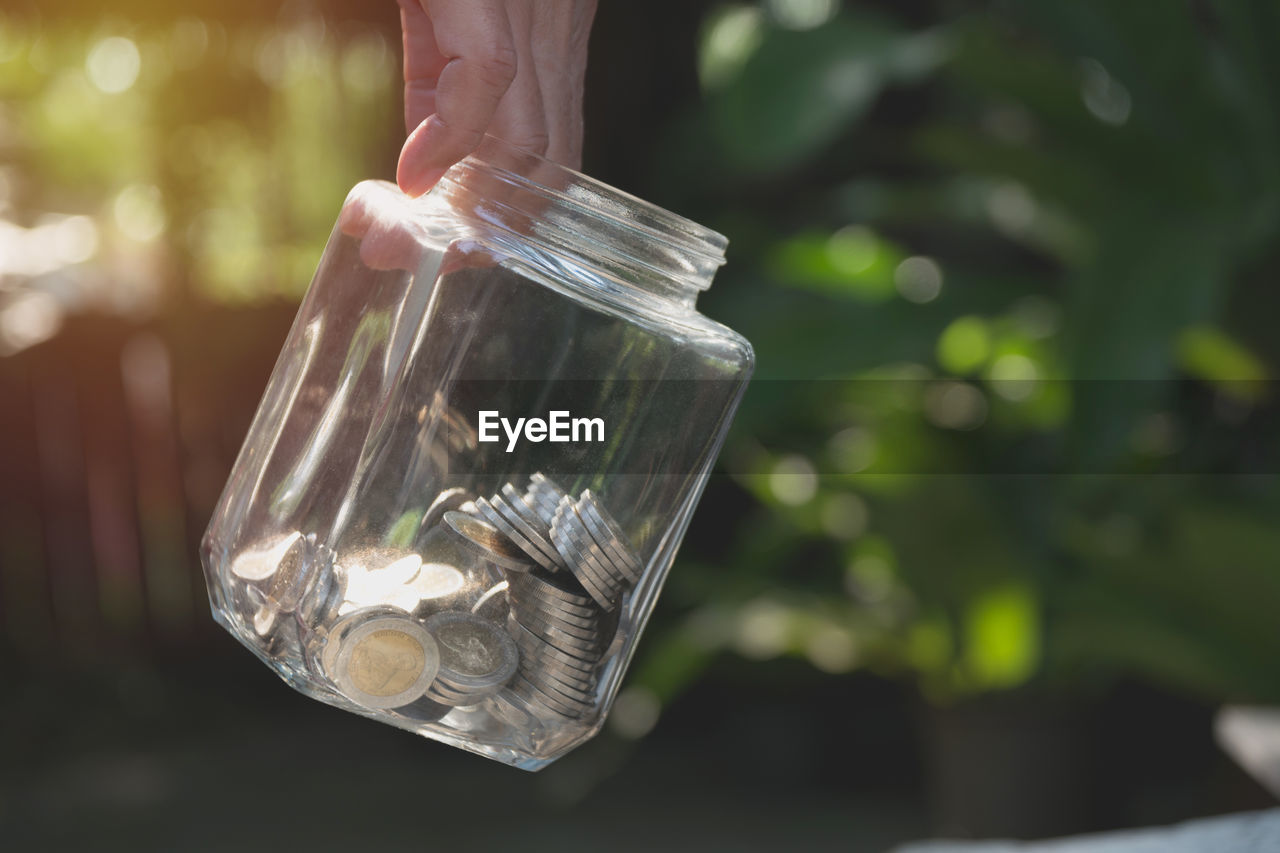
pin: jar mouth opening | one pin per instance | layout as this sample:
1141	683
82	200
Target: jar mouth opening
593	198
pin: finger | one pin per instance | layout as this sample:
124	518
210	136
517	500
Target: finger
423	63
521	117
559	38
474	37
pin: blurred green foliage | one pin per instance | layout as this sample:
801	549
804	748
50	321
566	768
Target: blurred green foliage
1006	274
1007	268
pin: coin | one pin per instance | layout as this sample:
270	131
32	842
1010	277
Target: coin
581	559
527	521
264	620
557	616
494	604
446	501
325	595
487	541
610	535
475	654
496	517
265	558
559	587
386	662
558	703
530	617
294	575
544	488
536	651
437	581
582	649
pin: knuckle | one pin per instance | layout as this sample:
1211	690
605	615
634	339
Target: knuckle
496	65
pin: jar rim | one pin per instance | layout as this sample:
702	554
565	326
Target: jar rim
574	189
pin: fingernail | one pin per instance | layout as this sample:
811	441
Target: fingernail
416	181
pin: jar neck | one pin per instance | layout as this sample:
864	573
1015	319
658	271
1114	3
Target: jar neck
582	228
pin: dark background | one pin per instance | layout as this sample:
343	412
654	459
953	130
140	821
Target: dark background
996	531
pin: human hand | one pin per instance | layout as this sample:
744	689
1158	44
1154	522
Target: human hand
510	68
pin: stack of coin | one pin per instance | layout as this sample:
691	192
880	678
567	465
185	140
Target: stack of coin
508	512
486	541
602	561
477	657
562	634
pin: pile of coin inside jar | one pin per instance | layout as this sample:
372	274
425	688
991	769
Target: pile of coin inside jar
517	603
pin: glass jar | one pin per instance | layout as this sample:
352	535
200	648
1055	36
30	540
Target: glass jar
478	454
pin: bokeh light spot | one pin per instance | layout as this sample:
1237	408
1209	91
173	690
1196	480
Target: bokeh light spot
832	649
853	449
1011	208
731	37
1105	97
138	212
113	64
635	712
844	516
802	14
763	629
1014	377
793	480
965	345
918	279
955	405
853	249
27	320
75	239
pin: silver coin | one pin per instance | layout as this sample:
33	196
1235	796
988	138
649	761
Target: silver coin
557	615
263	559
495	603
558	587
443	695
530	692
525	699
534	648
386	662
584	570
548	682
527	521
475	654
264	620
507	522
511	709
571	523
531	616
294	574
610	535
581	681
326	594
447	501
522	508
543	505
571	706
570	645
542	486
489	513
523	592
584	557
487	541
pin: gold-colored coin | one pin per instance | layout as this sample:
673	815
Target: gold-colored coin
386	663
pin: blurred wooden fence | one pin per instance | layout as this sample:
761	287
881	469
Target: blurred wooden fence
116	440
